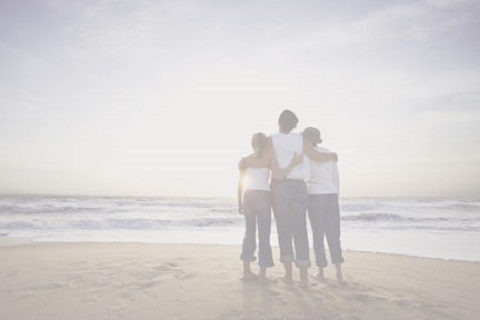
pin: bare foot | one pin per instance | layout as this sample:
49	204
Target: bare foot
339	273
287	279
303	283
340	278
264	280
303	277
249	276
319	277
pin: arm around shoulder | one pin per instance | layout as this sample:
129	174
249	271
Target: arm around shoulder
319	156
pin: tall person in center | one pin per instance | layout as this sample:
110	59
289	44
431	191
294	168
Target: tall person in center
289	196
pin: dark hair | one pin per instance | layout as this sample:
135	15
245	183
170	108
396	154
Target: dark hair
287	120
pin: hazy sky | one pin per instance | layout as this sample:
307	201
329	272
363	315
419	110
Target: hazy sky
161	97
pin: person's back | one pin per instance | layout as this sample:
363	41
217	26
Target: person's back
289	191
257	179
289	199
285	147
323	206
254	200
323	178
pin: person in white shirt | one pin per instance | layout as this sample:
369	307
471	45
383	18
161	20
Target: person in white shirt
254	202
323	187
289	196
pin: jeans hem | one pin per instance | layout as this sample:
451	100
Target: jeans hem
338	261
286	259
251	259
302	263
266	265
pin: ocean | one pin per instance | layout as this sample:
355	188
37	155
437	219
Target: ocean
424	227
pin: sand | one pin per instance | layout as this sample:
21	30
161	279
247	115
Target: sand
151	281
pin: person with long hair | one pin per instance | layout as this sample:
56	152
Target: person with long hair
254	202
289	195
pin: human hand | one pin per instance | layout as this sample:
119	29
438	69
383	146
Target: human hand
334	156
241	164
240	208
296	159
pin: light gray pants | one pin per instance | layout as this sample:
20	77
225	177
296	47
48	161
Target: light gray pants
257	209
324	215
289	209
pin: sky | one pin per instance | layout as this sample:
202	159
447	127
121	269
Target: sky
161	98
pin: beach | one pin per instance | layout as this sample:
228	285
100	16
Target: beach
165	281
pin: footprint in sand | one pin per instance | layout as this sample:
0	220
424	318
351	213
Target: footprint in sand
403	302
165	268
171	264
41	289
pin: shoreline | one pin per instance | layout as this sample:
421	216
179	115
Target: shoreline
27	242
176	281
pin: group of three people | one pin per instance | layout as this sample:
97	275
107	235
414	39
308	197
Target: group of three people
289	173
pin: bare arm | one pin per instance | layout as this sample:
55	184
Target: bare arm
336	179
240	192
318	156
280	174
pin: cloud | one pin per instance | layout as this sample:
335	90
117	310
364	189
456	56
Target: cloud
124	81
398	22
460	108
449	3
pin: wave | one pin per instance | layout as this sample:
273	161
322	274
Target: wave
379	216
416	204
122	213
436	228
401	222
373	217
114	224
80	205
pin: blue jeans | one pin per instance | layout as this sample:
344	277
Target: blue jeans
324	215
289	208
257	210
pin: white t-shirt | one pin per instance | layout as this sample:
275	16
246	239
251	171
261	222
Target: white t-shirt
285	146
324	177
257	179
